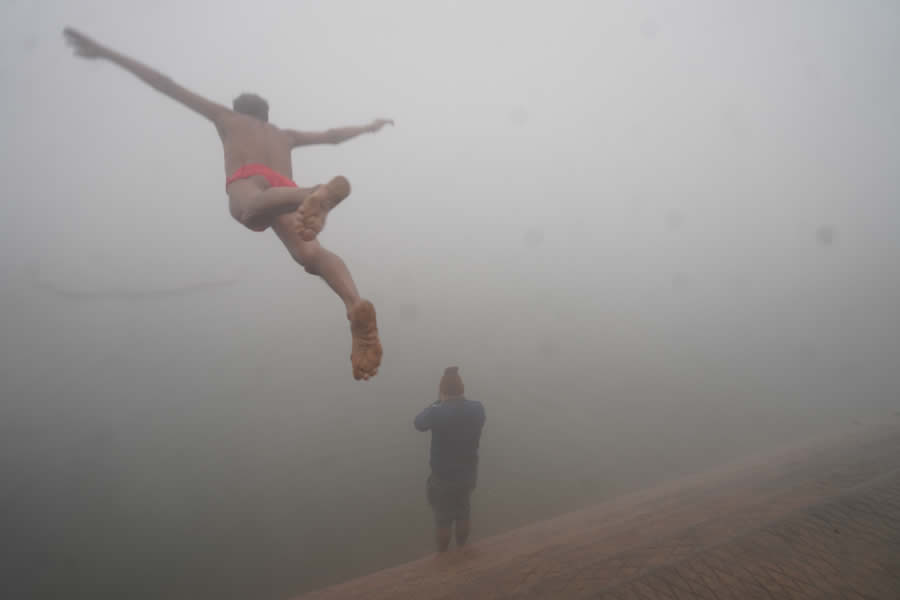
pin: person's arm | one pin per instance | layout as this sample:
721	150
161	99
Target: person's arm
334	136
88	48
423	420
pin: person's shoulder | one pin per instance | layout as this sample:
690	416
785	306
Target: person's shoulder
237	124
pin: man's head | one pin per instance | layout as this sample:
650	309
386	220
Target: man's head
451	383
253	106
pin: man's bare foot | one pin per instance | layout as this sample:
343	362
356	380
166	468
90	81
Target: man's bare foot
366	353
315	207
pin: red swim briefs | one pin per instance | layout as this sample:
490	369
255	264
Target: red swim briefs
274	178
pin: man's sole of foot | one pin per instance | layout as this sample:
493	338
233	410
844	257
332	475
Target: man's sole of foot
315	208
366	353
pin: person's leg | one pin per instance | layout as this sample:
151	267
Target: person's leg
256	205
366	352
463	518
317	260
316	206
462	532
443	516
442	537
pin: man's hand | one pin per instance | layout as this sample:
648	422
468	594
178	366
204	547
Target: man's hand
377	124
84	46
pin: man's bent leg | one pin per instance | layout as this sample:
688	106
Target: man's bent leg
366	351
257	206
316	206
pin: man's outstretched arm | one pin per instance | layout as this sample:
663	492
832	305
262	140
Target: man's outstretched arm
88	48
334	136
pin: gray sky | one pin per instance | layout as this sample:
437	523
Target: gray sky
676	162
637	203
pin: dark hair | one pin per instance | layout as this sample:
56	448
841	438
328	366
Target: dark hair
451	382
253	106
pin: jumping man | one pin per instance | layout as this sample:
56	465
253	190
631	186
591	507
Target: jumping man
261	193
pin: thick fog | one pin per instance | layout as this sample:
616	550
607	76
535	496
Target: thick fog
655	238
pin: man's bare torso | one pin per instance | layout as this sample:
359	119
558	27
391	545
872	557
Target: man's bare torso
247	140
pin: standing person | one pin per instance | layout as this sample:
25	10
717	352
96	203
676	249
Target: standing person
455	423
261	193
